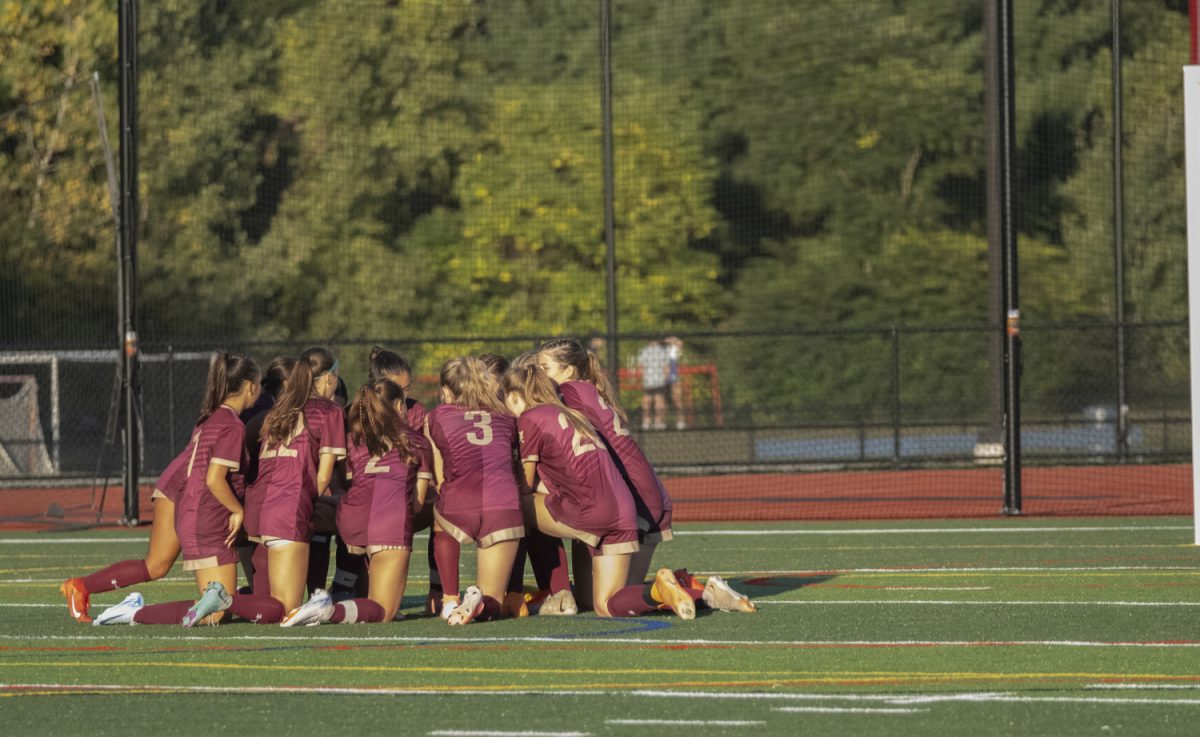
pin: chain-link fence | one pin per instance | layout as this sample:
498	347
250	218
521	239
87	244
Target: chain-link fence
799	199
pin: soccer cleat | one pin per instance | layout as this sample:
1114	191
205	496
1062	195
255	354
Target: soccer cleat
121	613
559	604
720	595
215	599
673	595
469	609
688	581
514	605
78	599
317	610
535	599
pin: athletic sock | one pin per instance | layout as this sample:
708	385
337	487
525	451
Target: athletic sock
350	568
632	601
170	613
117	576
445	552
357	610
435	578
262	579
516	579
257	608
318	563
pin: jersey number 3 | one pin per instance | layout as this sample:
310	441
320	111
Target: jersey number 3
482	435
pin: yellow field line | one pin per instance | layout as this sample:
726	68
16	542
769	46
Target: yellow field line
805	674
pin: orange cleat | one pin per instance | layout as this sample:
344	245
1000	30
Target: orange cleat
514	605
668	590
687	580
78	599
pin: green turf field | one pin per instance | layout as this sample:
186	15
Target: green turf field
999	626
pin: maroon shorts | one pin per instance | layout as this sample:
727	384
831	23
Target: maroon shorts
602	542
484	528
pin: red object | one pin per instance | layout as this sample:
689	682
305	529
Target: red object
1194	24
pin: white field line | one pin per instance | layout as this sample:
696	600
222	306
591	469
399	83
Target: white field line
846	710
932	530
726	533
687	722
981	569
892	699
304	637
498	733
947	602
1144	686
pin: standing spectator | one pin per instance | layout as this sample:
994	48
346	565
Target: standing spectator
674	347
653	362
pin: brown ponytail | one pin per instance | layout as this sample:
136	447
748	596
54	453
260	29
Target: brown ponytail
225	376
588	368
375	422
532	384
468	381
281	420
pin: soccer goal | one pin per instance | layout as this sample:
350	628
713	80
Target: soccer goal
56	416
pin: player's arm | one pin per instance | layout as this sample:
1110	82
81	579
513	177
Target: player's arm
217	480
439	474
325	469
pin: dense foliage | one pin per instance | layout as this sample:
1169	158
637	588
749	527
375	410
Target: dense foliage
320	169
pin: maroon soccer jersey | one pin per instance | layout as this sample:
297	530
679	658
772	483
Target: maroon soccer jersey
201	521
476	448
174	476
631	461
280	502
414	414
586	489
377	510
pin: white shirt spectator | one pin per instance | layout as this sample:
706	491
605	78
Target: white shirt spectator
654	361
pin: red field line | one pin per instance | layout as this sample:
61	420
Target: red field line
834	495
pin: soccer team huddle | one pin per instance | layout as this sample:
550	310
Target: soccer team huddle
515	459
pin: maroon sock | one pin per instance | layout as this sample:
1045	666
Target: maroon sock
357	610
261	584
170	613
549	560
516	579
257	608
117	576
632	601
445	553
435	577
491	610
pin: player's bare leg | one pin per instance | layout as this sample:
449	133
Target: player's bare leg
494	565
534	506
164	543
288	567
389	577
609	573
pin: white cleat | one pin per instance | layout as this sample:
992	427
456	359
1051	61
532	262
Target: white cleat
448	607
720	595
317	610
121	613
560	604
215	599
469	609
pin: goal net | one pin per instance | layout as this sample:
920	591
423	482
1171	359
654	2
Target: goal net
23	449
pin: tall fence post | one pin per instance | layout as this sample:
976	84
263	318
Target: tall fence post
127	284
999	72
1118	206
610	240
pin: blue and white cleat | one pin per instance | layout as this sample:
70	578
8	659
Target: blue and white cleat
121	613
215	599
317	610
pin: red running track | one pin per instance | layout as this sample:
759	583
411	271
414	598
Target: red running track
841	495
